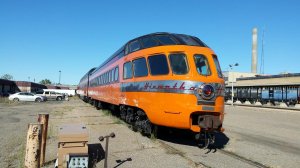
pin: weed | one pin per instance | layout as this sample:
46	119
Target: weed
117	121
21	155
106	112
68	108
50	132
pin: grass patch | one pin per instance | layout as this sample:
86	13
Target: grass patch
50	132
16	155
4	100
106	113
21	155
59	113
117	121
68	108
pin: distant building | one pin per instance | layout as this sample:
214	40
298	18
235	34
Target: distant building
67	87
24	86
291	79
230	76
241	79
6	87
57	87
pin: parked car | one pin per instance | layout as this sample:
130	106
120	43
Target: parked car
51	95
24	96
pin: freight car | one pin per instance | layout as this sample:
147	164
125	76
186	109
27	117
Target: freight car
265	94
161	79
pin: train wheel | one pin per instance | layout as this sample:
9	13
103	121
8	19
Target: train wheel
99	105
142	123
129	115
148	127
123	112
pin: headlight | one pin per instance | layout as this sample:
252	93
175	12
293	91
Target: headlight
206	91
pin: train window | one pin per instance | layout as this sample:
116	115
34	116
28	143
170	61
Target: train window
121	54
127	70
158	64
187	40
109	76
166	39
134	46
100	80
202	64
116	73
103	79
126	50
140	67
178	63
217	64
148	42
112	75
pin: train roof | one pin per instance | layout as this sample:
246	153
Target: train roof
153	40
89	72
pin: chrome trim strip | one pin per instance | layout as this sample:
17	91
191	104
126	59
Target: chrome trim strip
174	86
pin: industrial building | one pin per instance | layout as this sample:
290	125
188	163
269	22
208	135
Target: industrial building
8	87
24	86
258	89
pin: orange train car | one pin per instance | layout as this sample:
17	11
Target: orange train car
161	79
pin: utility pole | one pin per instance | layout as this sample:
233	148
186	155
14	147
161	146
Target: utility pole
59	77
232	80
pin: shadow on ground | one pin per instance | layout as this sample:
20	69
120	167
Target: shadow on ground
120	162
96	154
185	137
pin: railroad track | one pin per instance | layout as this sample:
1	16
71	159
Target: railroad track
222	151
243	159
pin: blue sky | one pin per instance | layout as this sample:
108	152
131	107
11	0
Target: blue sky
39	38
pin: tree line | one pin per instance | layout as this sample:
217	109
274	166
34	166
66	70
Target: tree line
10	77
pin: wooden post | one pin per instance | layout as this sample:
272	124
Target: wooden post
33	145
43	119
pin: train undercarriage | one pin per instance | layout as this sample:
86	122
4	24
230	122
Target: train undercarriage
138	121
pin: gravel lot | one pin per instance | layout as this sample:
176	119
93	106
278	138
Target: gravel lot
254	137
128	149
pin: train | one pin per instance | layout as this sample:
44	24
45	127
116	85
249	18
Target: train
161	79
265	94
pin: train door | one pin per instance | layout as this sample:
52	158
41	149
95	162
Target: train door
155	87
127	88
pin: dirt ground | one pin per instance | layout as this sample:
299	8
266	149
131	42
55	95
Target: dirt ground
127	149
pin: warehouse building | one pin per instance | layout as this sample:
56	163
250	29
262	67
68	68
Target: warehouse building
7	87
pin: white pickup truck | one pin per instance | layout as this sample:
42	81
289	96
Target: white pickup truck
51	95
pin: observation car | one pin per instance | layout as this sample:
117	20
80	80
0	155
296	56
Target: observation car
161	79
